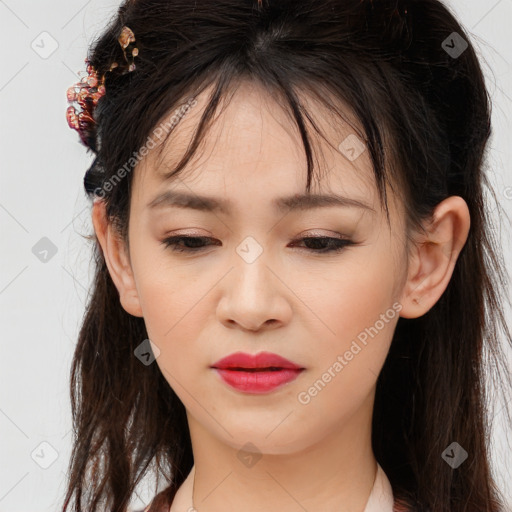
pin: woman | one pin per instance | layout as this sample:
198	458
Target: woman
266	347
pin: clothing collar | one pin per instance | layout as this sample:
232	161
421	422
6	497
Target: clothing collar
381	496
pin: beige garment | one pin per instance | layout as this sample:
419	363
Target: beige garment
381	497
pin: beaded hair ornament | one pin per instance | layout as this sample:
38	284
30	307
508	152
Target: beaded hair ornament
86	93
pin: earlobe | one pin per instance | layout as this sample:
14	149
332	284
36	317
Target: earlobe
433	256
116	258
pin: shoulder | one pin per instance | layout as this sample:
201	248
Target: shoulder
143	510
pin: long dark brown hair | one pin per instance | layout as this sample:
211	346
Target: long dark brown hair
420	95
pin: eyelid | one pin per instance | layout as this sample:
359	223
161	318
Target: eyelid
186	233
319	232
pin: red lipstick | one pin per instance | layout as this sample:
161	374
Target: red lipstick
256	373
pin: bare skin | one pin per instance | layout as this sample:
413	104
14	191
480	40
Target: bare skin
316	452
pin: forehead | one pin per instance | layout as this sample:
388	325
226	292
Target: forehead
254	149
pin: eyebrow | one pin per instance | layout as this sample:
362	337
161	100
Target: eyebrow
295	202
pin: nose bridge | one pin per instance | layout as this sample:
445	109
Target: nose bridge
254	295
252	272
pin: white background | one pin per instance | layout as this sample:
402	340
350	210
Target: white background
41	195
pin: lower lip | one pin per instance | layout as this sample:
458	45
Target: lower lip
257	382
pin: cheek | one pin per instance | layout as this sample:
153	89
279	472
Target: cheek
174	305
354	317
175	318
174	315
352	297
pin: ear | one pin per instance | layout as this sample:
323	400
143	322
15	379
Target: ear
117	260
433	255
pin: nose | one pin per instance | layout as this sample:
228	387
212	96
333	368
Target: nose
254	297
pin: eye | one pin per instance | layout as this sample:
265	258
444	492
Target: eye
194	244
194	241
323	244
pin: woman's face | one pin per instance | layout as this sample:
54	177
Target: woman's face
256	285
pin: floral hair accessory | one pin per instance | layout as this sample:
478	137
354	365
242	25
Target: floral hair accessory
125	40
87	92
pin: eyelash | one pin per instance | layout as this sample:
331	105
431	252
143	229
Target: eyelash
172	241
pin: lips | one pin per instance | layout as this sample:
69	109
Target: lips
258	373
263	361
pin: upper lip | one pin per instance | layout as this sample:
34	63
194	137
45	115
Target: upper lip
260	360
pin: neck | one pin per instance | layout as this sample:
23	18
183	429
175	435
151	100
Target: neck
334	474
